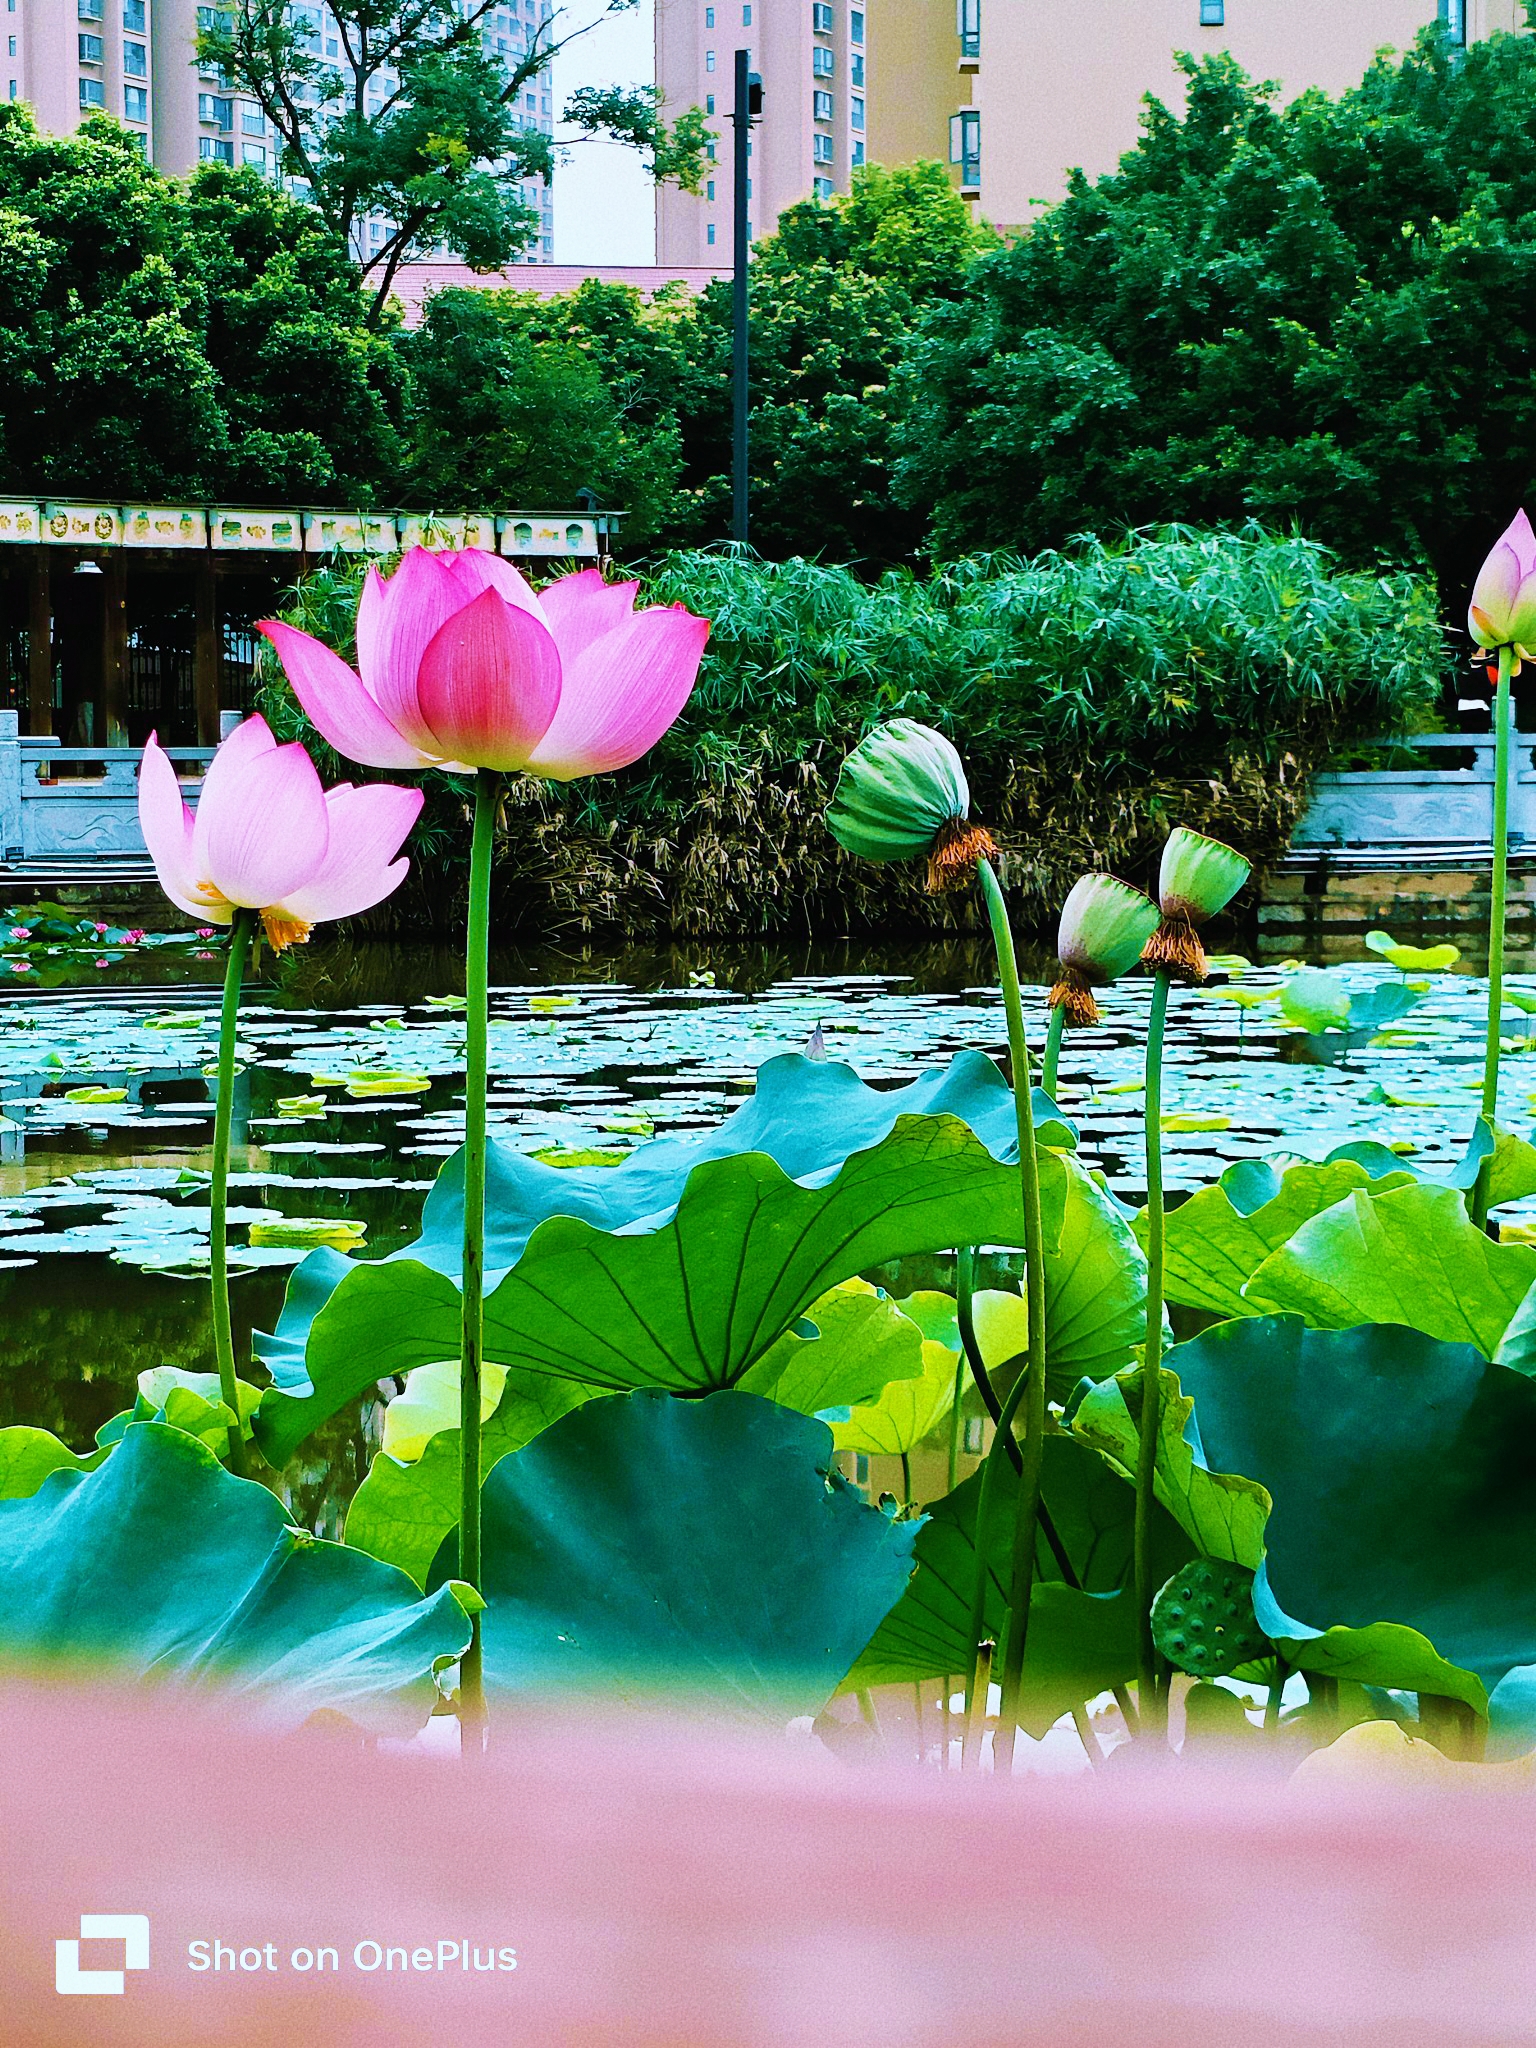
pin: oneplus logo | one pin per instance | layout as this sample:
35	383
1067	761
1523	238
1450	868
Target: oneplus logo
131	1929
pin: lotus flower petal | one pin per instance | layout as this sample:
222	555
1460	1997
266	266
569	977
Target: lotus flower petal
1499	591
622	693
367	828
424	593
166	823
336	703
474	570
260	828
581	608
490	683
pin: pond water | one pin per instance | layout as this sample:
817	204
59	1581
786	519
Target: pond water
349	1099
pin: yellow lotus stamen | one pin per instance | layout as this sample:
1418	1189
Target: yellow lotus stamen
1175	947
956	853
1073	994
283	932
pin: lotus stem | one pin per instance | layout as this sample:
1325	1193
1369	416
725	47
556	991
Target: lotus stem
1151	1710
240	931
956	1421
472	1344
1053	1037
1033	1447
1482	1187
977	1688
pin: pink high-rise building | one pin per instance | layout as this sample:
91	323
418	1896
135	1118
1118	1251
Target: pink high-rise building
813	58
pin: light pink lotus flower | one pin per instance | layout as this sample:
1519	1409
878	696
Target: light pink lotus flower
267	837
1503	610
21	931
461	667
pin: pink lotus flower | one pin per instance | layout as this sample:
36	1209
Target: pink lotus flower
463	667
21	931
21	966
132	938
103	963
1503	610
267	837
101	930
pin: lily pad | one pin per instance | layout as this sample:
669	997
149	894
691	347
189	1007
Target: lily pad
160	1566
843	1352
27	1456
649	1547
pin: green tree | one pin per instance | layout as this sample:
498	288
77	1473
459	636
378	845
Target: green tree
159	339
519	400
408	114
1322	312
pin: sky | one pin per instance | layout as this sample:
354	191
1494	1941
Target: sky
604	206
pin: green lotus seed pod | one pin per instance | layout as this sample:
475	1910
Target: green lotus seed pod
1203	1620
899	788
1198	876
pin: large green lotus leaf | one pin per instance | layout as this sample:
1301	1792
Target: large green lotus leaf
161	1565
1411	1256
514	1407
1220	1510
405	1507
1403	1476
1218	1239
808	1116
27	1456
842	1353
1095	1288
691	1302
704	1549
908	1409
1081	1639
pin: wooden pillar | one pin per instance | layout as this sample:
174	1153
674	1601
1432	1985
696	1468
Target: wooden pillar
205	654
39	642
114	649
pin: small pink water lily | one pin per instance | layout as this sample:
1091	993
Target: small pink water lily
267	837
1503	609
461	666
21	931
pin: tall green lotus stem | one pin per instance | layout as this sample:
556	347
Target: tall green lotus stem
472	1342
1033	1447
1501	721
1053	1037
240	932
1150	1708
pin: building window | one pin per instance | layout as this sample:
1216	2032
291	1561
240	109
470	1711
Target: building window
709	189
218	113
858	153
253	153
135	60
856	114
823	188
965	145
821	106
92	93
1454	14
213	151
251	121
709	234
821	18
13	88
968	26
88	10
135	103
856	25
90	49
1213	13
746	17
12	51
709	60
821	62
821	149
709	103
856	69
133	16
709	17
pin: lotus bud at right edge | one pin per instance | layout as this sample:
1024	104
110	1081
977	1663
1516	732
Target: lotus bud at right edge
1198	877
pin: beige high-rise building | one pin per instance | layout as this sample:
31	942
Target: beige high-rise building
136	59
1013	94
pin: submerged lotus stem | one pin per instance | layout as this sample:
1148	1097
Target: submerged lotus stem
241	929
1482	1187
1032	1384
1151	1707
472	1345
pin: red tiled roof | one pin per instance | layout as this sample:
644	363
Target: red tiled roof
416	282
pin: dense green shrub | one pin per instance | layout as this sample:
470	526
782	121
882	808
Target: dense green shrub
1094	695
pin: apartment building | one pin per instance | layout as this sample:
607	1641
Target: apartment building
814	60
1011	93
136	59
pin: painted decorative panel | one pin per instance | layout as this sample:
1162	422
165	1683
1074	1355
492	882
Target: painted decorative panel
352	533
278	532
165	526
19	521
448	530
83	525
537	534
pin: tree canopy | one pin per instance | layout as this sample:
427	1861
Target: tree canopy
1320	313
